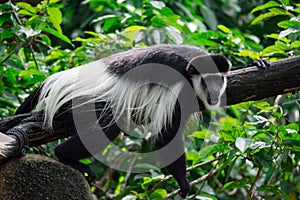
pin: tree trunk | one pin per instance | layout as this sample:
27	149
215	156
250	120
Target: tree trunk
36	177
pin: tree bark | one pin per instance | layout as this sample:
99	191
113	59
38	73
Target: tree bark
252	83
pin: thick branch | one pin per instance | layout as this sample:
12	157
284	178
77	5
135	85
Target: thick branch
254	84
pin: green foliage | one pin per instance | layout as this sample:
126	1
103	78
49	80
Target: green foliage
250	150
287	43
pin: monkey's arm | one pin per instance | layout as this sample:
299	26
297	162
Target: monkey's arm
171	152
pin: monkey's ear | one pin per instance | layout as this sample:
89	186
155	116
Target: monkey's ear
222	63
207	64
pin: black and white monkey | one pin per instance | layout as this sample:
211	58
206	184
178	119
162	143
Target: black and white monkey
115	98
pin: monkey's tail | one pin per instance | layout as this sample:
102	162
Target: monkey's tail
5	146
8	146
30	102
11	141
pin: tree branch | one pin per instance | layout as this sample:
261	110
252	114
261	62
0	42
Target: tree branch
252	83
174	193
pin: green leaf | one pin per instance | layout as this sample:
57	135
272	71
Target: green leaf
146	182
237	184
6	103
201	135
276	37
285	2
92	33
58	54
273	36
44	39
58	35
53	1
29	72
297	10
271	50
273	12
261	104
243	143
11	74
289	132
211	149
4	7
158	21
295	44
86	161
167	12
288	24
269	4
135	28
204	196
280	11
158	194
262	17
25	12
247	53
282	46
273	190
110	23
224	28
6	34
191	155
55	18
27	6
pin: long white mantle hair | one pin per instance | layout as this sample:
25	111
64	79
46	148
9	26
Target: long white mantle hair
128	98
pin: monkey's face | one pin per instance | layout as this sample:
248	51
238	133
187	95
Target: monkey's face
209	88
207	73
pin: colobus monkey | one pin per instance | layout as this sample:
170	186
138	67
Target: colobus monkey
150	96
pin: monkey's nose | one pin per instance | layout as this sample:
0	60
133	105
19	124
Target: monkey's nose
213	101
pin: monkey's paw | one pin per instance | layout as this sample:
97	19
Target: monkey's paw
262	64
184	188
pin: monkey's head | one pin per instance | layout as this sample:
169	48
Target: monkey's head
208	75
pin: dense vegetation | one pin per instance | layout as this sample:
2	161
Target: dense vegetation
250	150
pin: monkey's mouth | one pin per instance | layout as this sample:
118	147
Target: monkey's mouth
213	103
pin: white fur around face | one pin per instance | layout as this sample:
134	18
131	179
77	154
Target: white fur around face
199	90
